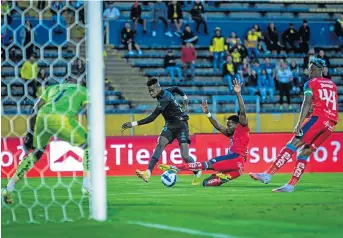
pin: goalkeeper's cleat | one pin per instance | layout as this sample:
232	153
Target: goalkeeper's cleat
287	188
262	177
165	167
7	196
143	175
196	178
86	191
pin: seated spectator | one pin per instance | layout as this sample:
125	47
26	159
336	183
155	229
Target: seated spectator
325	73
284	78
197	12
269	67
188	57
160	12
78	67
29	72
251	83
290	38
266	86
127	38
297	80
136	16
304	37
307	59
232	41
188	36
217	49
170	66
256	67
42	75
272	39
244	70
236	56
110	13
241	49
261	43
229	72
42	80
252	43
322	56
339	29
175	16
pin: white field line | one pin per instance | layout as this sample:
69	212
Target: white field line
181	230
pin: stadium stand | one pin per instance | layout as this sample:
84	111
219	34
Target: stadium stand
127	73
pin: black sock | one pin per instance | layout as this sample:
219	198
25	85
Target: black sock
153	161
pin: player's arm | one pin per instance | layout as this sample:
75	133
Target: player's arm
179	91
305	107
213	121
243	120
146	120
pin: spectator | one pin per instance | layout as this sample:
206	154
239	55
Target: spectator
269	67
304	37
188	36
284	78
229	72
272	40
41	5
307	59
326	73
251	83
289	38
127	38
322	56
236	56
78	67
297	80
170	66
42	80
26	34
241	49
232	41
110	13
136	16
81	10
188	57
197	12
42	75
175	16
252	43
266	86
57	16
160	12
261	43
217	48
244	70
338	29
256	67
29	72
6	12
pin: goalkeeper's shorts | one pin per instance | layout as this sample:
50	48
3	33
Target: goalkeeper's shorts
63	127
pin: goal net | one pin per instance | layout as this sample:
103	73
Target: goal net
42	44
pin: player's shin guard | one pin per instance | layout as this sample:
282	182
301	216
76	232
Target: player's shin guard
282	158
298	170
196	166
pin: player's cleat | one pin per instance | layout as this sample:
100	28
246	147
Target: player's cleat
263	177
223	177
214	180
86	191
165	167
143	175
196	178
6	196
287	188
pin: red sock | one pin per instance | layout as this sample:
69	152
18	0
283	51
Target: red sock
282	158
298	171
197	166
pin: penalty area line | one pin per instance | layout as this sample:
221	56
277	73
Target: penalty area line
181	230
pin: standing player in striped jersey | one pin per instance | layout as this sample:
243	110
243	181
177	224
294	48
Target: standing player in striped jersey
320	94
54	115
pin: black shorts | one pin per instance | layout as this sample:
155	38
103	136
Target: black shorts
139	20
179	132
127	44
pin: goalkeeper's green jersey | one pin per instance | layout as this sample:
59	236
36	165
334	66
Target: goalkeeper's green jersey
64	99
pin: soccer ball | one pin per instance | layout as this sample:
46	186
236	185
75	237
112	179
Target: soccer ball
169	178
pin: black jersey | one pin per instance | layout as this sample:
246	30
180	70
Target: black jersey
167	106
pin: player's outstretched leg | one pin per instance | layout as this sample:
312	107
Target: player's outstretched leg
26	164
283	157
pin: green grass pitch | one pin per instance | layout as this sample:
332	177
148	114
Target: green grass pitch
241	208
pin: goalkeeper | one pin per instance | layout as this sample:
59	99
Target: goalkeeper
54	115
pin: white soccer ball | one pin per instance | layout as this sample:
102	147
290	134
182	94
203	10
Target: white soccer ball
169	178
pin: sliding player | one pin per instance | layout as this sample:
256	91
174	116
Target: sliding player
53	115
320	94
230	166
176	126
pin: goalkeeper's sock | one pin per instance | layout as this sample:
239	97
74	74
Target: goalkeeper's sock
282	158
85	182
196	166
26	164
298	170
11	185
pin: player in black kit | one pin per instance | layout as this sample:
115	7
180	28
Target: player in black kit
176	126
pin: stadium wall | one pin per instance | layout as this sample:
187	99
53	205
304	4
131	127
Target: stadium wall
16	126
